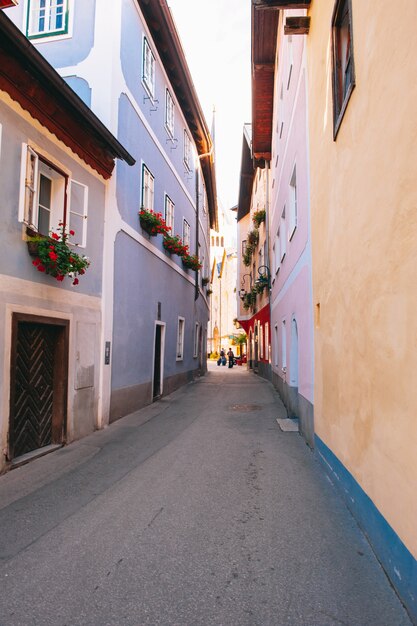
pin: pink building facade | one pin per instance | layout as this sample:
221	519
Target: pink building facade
290	234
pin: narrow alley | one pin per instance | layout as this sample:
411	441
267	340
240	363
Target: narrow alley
195	510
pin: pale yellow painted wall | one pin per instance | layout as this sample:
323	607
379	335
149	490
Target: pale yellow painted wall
364	233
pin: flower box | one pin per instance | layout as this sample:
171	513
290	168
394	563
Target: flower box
55	257
153	223
191	262
173	245
259	217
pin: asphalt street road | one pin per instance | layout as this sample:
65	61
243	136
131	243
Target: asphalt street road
197	510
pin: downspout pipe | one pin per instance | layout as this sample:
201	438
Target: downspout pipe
197	221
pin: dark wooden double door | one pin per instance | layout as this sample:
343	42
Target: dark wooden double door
38	391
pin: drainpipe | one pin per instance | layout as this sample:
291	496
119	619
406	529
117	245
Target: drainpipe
267	168
197	210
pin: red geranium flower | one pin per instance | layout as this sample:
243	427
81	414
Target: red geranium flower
55	236
75	281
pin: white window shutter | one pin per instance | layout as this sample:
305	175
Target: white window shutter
28	186
78	213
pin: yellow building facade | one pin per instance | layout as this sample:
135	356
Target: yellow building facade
362	108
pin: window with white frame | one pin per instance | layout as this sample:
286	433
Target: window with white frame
180	338
261	341
186	233
276	345
204	198
277	252
48	197
169	212
187	151
46	18
169	113
282	236
148	183
148	68
290	61
266	341
283	345
196	334
292	204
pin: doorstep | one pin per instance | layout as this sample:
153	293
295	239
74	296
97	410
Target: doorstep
34	454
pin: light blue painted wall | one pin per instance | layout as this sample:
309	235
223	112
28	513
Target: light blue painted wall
141	281
134	135
81	88
14	258
131	54
63	52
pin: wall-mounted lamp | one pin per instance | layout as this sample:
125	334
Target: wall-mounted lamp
264	276
242	291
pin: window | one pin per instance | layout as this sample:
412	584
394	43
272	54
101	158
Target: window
261	341
186	233
46	18
276	345
283	345
244	242
204	198
196	333
222	242
169	212
187	151
169	113
282	236
180	339
147	188
292	209
266	341
48	196
343	64
148	69
290	62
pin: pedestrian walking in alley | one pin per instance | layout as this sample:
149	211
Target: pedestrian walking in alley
231	357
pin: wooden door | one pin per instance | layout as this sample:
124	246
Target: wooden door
38	393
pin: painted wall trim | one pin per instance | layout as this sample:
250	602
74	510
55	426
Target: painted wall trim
398	562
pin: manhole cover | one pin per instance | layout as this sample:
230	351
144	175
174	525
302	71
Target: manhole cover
244	407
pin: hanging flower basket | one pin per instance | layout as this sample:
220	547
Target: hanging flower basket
191	262
246	258
174	245
258	217
153	223
55	257
253	237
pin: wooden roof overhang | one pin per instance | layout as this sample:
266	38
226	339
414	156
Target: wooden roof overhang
247	173
164	33
32	82
264	42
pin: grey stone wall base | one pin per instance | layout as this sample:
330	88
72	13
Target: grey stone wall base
130	399
264	370
297	407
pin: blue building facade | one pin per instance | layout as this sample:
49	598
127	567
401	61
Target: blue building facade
125	60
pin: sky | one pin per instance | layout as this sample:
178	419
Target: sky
215	35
